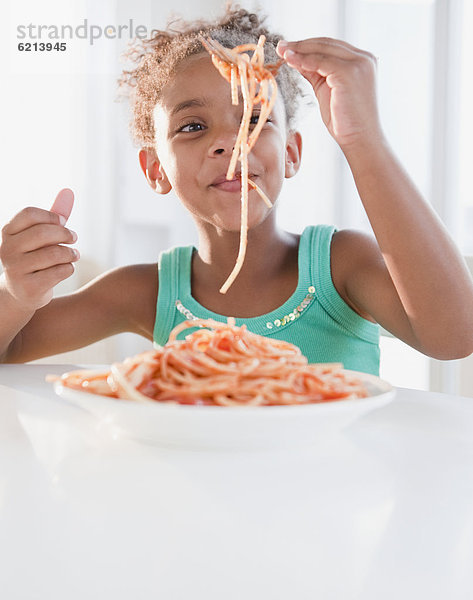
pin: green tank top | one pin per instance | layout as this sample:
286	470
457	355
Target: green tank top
315	318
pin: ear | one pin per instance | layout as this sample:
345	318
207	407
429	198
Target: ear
153	171
293	153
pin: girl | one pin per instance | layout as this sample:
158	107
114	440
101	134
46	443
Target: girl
325	290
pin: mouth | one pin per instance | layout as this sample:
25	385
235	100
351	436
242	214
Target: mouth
230	185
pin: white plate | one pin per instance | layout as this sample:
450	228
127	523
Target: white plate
230	427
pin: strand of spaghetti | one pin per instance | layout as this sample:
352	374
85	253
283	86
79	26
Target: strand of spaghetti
229	67
242	136
258	54
223	400
250	47
243	226
247	74
260	192
234	84
245	124
123	387
250	78
204	323
263	114
259	76
266	109
197	389
204	363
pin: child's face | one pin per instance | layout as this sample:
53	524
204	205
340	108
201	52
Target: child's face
196	127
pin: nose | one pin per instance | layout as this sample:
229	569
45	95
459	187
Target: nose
220	147
223	143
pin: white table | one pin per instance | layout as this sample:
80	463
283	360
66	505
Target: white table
383	511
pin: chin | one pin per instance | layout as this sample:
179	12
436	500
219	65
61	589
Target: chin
231	221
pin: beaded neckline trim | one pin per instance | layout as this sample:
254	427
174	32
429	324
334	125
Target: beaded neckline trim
276	323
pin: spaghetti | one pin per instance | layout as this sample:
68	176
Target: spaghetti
258	86
220	364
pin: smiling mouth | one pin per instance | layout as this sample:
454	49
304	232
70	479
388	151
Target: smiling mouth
230	185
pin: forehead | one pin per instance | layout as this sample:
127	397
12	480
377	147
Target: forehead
196	78
194	75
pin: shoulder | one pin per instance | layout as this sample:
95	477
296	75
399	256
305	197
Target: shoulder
354	248
141	274
354	259
126	278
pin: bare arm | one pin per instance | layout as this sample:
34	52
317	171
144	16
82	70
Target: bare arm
430	280
35	255
415	283
123	299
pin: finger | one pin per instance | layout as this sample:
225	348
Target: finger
38	236
43	258
63	204
48	278
27	217
321	64
323	45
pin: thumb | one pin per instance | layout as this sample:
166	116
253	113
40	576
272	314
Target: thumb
63	203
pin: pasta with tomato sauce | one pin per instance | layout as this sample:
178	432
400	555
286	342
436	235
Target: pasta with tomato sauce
220	364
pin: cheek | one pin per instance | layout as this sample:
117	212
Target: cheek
276	155
276	161
166	157
182	172
162	146
181	166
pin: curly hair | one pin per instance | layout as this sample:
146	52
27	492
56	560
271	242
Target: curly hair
157	58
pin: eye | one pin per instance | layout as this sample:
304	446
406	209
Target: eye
255	117
191	127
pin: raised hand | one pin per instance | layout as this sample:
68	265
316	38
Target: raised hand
32	252
344	81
